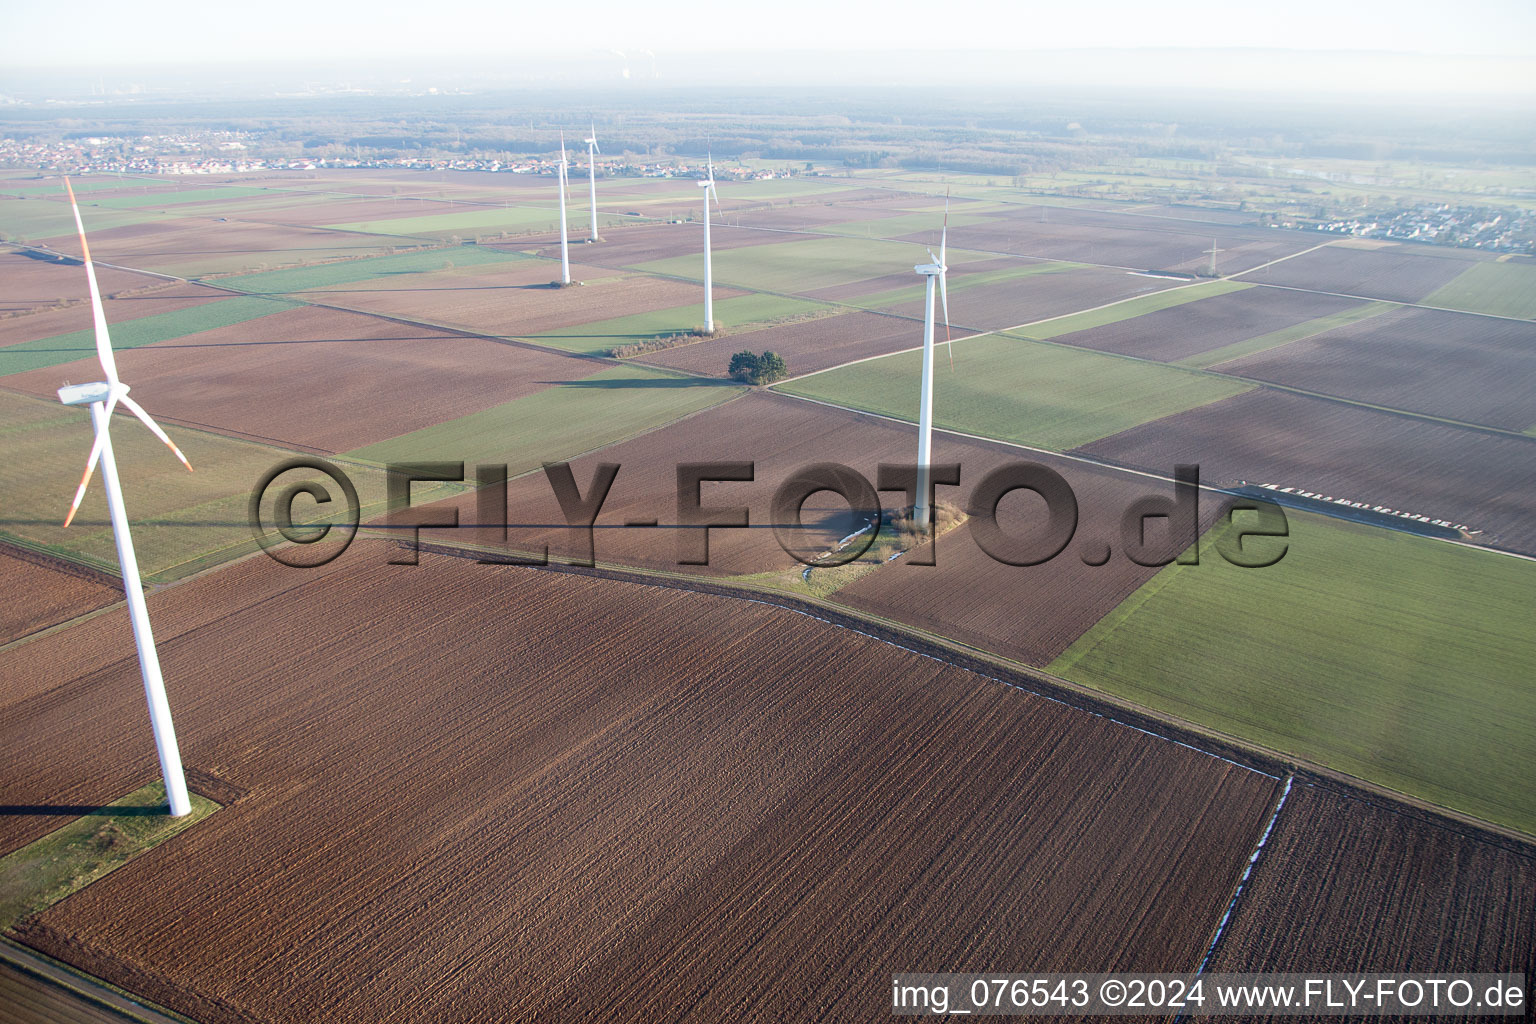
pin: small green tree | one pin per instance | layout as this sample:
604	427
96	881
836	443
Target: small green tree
750	368
743	367
770	367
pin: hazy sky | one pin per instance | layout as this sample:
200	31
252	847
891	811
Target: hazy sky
121	32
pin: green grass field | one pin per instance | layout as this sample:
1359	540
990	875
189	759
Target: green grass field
735	315
181	521
36	219
66	348
1504	289
1114	313
802	266
48	186
1296	332
1398	659
329	275
179	196
1052	396
483	220
559	422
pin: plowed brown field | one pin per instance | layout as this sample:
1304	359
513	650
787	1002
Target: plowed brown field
1476	369
1134	241
1402	273
1344	885
27	284
806	347
49	323
345	379
37	592
1195	327
1027	613
1266	436
627	246
203	246
601	801
518	302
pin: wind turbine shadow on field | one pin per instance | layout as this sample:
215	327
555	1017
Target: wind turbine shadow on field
80	810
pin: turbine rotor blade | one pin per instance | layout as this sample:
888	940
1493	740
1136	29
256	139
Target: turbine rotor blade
98	314
85	480
949	343
944	235
138	410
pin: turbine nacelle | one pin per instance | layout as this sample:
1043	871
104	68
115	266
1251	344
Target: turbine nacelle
85	394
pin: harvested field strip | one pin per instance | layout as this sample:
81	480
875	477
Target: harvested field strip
903	224
1015	390
49	186
1397	659
1125	310
486	220
176	197
805	346
66	348
150	298
559	422
960	283
1399	890
328	275
36	219
1275	339
380	378
733	315
798	266
1504	289
181	521
785	809
100	841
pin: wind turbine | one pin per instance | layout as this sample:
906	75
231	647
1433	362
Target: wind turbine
708	185
1212	251
565	246
592	152
102	397
931	271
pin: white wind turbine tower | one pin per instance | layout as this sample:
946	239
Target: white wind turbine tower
592	152
1212	251
102	397
708	185
931	271
565	246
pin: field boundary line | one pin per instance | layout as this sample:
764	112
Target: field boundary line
1242	883
1368	298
